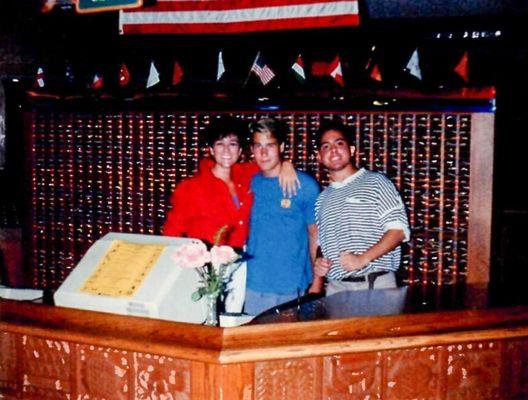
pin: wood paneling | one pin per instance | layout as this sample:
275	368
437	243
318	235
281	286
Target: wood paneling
288	379
515	369
46	367
413	373
352	376
480	198
229	381
158	377
94	363
474	370
9	382
448	362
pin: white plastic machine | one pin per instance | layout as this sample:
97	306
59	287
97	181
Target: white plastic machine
164	290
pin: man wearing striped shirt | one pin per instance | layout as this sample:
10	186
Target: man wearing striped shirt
360	217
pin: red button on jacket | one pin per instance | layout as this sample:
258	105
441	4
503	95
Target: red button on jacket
202	204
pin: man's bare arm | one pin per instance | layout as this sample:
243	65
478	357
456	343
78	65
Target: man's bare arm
317	283
389	241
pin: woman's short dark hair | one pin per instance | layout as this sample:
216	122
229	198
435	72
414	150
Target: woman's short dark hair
333	126
278	129
222	127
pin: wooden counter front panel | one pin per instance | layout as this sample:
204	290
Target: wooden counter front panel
34	368
37	368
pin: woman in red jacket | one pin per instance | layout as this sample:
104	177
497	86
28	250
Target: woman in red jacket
219	194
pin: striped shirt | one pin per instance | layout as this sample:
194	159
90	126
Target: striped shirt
353	215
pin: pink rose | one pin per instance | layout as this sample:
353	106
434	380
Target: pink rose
222	255
193	255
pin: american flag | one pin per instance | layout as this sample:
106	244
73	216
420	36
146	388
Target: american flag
260	69
234	16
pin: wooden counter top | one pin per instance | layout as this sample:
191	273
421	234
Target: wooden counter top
193	342
266	341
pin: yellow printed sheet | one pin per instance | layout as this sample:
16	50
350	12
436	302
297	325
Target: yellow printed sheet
122	270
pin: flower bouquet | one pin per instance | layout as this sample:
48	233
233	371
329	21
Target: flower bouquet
212	267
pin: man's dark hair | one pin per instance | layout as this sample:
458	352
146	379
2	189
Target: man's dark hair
333	126
223	127
278	129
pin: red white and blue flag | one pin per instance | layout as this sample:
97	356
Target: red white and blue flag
234	16
261	69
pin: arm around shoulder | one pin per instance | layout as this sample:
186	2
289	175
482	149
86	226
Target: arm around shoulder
289	179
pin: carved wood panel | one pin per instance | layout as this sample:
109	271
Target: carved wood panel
352	376
515	364
413	374
474	371
8	365
46	367
35	368
284	380
103	373
160	377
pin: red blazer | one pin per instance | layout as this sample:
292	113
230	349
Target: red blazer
202	204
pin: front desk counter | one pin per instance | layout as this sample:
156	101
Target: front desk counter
448	343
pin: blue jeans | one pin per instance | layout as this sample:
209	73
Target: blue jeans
257	302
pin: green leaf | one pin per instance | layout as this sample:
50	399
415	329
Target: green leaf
196	296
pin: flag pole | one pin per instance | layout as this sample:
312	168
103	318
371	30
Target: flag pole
370	61
249	73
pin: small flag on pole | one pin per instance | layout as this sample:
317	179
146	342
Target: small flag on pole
97	81
39	79
370	60
177	73
153	77
260	69
413	65
375	74
68	73
462	67
124	75
336	72
298	69
221	69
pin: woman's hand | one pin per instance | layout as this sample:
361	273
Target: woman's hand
288	179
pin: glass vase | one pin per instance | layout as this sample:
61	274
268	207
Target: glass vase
211	316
